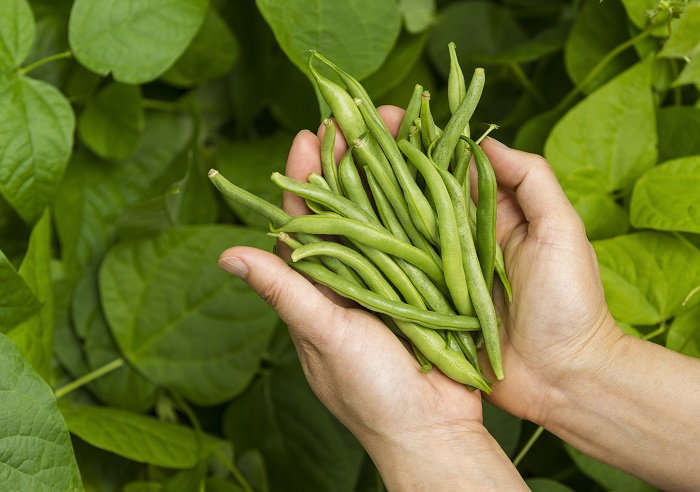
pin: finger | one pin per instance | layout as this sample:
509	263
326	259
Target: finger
304	159
534	185
301	306
392	117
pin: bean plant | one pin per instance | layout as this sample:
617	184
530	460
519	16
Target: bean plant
130	362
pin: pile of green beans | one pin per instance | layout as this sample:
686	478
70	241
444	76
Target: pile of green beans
414	248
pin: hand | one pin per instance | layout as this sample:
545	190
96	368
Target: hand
558	326
417	427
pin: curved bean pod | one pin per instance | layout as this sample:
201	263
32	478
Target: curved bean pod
412	112
328	155
351	184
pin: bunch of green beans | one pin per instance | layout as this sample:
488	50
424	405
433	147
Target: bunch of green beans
414	247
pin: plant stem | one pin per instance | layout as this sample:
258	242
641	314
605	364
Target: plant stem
657	332
564	103
89	377
162	105
535	435
527	84
38	63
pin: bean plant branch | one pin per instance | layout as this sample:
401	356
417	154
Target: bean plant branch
533	438
43	61
527	84
89	377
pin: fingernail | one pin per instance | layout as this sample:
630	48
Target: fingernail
497	142
234	266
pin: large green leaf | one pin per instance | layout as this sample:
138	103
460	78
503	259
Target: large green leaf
666	197
613	131
35	448
546	485
249	165
34	337
135	40
16	33
607	476
304	446
113	121
677	127
684	334
418	15
51	37
684	43
211	54
647	275
356	34
17	301
36	136
179	319
598	28
138	437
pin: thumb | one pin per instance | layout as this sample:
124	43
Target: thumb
304	309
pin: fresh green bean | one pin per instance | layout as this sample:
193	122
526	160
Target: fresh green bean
351	184
275	215
449	236
426	365
428	127
371	235
320	181
480	292
328	155
412	112
485	212
459	120
383	304
429	342
466	343
414	136
418	205
456	87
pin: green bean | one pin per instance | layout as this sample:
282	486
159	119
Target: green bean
342	105
485	212
466	343
449	236
412	111
433	296
418	205
428	127
380	303
450	137
275	215
351	183
328	155
456	87
426	365
363	150
414	136
480	292
320	181
427	341
371	235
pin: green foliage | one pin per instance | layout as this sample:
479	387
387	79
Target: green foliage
109	235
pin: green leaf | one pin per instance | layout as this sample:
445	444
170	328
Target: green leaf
34	337
532	136
613	131
684	334
16	33
299	110
598	28
102	471
134	40
36	137
638	11
138	437
684	40
546	485
279	415
35	448
112	123
602	216
504	427
51	37
666	197
607	476
252	163
647	275
218	484
481	29
418	15
677	128
94	192
17	301
143	486
211	54
356	34
161	294
690	73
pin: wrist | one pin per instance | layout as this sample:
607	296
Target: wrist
459	456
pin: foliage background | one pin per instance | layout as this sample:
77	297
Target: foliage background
109	229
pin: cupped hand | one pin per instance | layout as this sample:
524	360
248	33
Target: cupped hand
558	328
357	367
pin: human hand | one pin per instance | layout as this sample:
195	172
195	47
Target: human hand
558	327
408	421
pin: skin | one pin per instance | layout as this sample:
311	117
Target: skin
624	401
